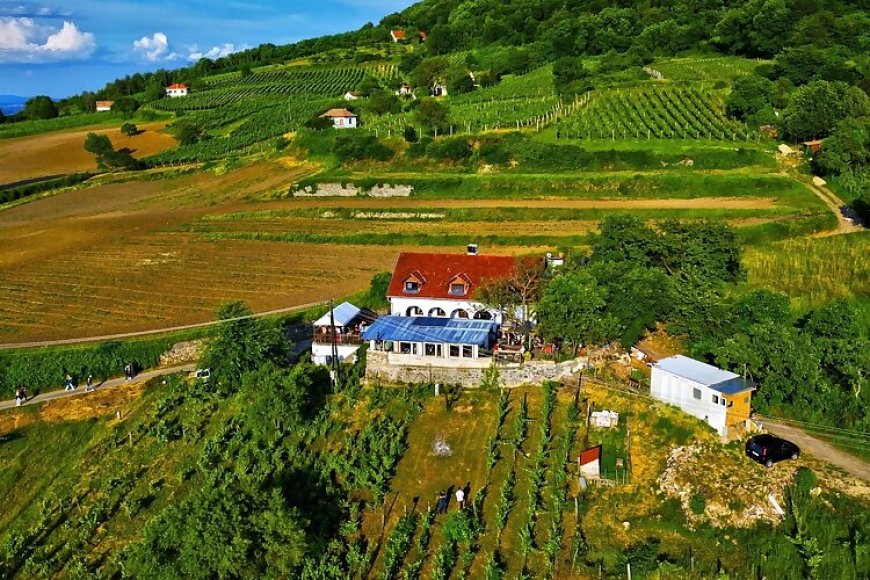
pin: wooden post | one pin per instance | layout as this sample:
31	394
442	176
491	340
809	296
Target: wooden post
628	569
577	507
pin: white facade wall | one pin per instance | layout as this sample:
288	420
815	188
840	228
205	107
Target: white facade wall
344	122
176	92
320	353
680	391
399	306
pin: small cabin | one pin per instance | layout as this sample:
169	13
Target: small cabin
438	90
398	35
341	118
177	90
720	398
352	96
104	106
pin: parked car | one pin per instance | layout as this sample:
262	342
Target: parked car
202	375
767	449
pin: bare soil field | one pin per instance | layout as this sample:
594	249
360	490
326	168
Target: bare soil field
136	256
36	156
117	258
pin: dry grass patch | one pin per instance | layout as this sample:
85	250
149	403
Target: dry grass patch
59	153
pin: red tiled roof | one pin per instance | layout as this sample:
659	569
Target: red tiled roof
398	34
177	86
438	270
333	113
105	104
589	455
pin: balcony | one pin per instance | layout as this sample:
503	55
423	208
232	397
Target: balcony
340	338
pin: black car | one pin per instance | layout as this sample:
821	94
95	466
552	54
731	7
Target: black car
767	449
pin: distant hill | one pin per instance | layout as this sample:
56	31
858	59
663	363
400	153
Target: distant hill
11	104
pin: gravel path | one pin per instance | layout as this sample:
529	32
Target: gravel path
820	449
107	384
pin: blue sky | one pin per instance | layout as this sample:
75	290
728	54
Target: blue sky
65	47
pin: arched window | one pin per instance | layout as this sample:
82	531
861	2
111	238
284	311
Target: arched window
437	312
459	313
483	315
414	311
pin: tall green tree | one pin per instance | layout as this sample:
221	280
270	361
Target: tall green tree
815	109
574	307
240	344
40	107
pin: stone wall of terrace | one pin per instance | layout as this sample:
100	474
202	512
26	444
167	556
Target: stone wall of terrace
392	368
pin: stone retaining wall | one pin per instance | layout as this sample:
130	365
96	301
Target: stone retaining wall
533	372
351	190
182	353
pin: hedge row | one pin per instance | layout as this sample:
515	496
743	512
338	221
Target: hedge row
14	192
45	369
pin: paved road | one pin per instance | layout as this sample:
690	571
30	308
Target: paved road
820	449
140	378
86	339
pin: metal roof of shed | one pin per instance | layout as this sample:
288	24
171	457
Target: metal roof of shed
713	377
345	313
430	329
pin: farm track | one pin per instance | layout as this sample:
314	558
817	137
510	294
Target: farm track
837	205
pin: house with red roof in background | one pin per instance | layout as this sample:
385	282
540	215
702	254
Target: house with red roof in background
341	118
177	90
443	285
398	35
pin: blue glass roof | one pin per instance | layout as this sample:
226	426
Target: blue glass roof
435	330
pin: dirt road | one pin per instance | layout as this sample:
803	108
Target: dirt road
820	449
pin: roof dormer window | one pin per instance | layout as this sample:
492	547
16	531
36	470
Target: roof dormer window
413	283
459	285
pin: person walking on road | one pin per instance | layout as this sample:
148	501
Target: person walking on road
128	371
68	383
460	497
90	384
20	396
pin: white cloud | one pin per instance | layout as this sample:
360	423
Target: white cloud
154	47
26	40
214	52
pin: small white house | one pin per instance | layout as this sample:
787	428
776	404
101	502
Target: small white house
398	35
177	90
104	106
340	329
720	398
438	90
351	96
341	118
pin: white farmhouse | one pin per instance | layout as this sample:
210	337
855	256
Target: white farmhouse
719	397
177	90
443	285
104	106
341	118
339	329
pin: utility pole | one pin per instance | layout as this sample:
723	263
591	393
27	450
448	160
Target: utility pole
334	373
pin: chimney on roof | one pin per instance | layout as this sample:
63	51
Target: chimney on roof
471	249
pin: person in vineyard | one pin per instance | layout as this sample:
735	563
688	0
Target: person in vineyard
441	505
20	396
90	383
68	383
460	497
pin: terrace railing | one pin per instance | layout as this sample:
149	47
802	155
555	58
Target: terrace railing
340	338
